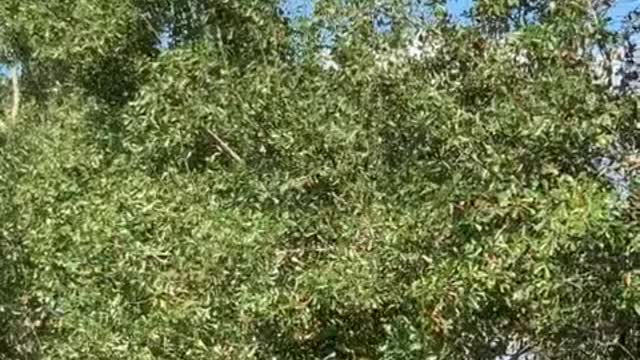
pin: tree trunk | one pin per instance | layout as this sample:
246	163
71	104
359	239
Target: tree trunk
15	105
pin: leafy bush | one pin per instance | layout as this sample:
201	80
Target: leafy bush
235	202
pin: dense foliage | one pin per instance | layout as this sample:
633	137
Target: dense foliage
223	197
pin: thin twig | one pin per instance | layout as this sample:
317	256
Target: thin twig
152	28
226	147
624	349
520	352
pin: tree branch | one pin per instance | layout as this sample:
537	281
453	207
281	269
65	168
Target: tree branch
226	148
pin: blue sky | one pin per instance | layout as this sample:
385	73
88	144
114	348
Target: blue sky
457	7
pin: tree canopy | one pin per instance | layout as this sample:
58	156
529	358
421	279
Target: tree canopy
184	180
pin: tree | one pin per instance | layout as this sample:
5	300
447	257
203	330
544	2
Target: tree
220	199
